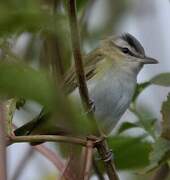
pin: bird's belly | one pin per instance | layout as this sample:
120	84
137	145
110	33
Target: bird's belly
111	99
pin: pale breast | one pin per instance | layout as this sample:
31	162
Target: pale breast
112	95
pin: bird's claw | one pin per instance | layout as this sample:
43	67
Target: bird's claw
92	107
108	156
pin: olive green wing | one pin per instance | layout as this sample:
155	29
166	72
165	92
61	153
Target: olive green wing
90	61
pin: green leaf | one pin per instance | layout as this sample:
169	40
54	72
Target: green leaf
159	154
148	125
130	152
139	89
17	17
23	81
127	125
162	79
81	4
166	118
18	80
144	121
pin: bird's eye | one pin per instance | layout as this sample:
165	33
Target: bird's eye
125	50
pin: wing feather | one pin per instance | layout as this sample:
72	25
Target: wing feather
90	61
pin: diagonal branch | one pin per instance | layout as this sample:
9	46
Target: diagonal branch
22	164
162	173
75	37
51	156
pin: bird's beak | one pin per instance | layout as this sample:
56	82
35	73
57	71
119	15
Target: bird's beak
148	60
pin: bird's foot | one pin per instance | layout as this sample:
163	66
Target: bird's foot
108	156
92	108
92	105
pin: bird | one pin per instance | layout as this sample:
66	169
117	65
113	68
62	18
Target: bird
111	72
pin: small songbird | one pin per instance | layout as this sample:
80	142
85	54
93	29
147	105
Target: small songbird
111	72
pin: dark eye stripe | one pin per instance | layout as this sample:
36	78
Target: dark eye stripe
127	51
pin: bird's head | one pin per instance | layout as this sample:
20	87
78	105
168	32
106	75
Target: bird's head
127	50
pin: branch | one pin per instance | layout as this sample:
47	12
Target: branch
88	159
3	172
75	37
162	173
43	138
19	169
51	156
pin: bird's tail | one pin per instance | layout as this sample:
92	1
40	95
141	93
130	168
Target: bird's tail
27	128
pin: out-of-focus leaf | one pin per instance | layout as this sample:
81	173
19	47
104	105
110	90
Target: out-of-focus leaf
166	118
127	125
145	122
162	79
18	80
23	81
139	89
47	176
130	152
159	154
148	125
81	3
17	17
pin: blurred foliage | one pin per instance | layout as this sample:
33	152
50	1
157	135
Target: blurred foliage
166	118
47	24
109	17
23	81
161	147
139	89
49	176
126	151
160	153
126	126
81	4
162	79
18	16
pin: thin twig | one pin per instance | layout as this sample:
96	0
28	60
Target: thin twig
71	171
162	173
75	37
51	156
44	138
3	173
22	164
88	159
